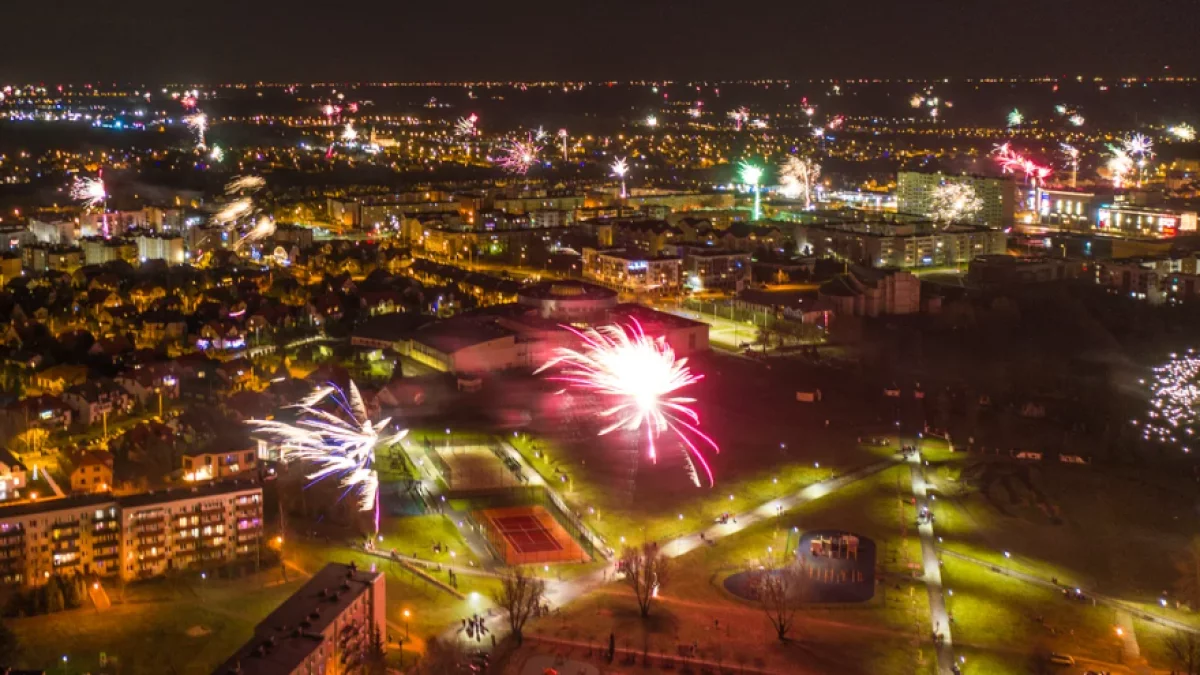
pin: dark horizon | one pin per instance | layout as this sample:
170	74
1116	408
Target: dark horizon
223	41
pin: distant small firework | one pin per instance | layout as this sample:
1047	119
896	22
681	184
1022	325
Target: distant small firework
89	191
752	175
244	184
651	121
695	112
465	126
739	117
199	124
818	132
216	154
954	203
1012	162
518	157
539	134
810	111
1138	145
1183	132
1015	118
837	122
1072	154
1076	120
331	111
1174	402
916	101
641	378
349	133
797	178
1119	166
1060	109
563	137
620	167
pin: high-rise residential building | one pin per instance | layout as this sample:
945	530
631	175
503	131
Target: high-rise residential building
97	251
325	627
134	536
914	190
161	247
885	244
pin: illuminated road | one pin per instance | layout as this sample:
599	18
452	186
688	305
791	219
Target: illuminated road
939	619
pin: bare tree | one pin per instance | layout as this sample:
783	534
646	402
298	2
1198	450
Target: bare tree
776	588
1188	566
1184	647
645	570
441	656
520	596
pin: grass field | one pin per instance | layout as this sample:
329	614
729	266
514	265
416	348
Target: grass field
165	627
879	636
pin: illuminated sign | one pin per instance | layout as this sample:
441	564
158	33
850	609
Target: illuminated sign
639	265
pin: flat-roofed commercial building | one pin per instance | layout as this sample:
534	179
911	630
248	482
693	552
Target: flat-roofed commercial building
1142	221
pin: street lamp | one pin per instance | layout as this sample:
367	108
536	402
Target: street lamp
407	616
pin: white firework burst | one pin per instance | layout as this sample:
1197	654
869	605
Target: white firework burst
349	133
1183	132
90	191
341	444
465	126
620	167
797	176
651	121
954	202
265	227
197	122
1015	118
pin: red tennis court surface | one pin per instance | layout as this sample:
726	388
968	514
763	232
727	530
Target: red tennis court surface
529	534
526	534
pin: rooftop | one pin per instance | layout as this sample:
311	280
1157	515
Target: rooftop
284	639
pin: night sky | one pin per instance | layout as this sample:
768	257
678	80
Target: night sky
402	40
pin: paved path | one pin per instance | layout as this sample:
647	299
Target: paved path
1099	598
561	593
50	481
938	617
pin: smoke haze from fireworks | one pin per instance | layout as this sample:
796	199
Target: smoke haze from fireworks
638	378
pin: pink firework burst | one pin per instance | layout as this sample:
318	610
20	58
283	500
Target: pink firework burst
519	156
639	379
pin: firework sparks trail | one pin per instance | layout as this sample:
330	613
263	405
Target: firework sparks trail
1076	120
341	443
198	123
839	120
954	202
465	126
1184	132
234	211
244	184
797	176
620	167
751	175
1174	411
1072	154
1119	166
519	156
90	191
640	377
739	117
563	137
1012	161
265	227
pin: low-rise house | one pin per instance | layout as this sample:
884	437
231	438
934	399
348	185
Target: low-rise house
210	464
97	398
13	475
56	379
93	473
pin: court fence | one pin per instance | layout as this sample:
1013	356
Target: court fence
528	495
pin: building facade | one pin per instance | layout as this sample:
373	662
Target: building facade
915	189
135	537
324	628
632	271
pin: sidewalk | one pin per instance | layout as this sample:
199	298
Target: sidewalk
938	616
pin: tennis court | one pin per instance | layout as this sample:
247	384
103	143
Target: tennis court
529	534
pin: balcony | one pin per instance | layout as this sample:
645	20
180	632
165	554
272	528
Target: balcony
102	557
212	518
212	508
154	540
